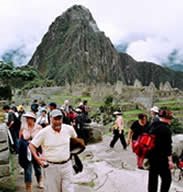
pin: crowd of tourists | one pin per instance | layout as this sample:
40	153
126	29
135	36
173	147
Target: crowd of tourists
41	138
160	154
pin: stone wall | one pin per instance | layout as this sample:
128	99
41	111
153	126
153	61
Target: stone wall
5	165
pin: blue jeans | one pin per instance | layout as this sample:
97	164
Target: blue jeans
28	171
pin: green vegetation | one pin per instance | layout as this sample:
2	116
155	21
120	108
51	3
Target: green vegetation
176	106
14	76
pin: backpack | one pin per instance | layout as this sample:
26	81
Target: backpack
144	144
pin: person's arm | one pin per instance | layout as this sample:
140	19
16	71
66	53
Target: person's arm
20	133
129	138
169	149
39	159
34	144
10	120
170	162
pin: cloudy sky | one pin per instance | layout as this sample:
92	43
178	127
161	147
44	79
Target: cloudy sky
151	28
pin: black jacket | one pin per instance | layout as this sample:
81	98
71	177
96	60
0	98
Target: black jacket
163	142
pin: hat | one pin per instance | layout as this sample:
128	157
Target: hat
30	115
117	113
166	114
77	145
78	110
20	107
55	113
155	109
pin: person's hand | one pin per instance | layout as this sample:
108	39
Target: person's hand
41	161
128	142
171	164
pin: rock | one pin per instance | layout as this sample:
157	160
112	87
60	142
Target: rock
6	180
4	170
177	145
93	132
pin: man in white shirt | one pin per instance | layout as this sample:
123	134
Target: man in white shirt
55	141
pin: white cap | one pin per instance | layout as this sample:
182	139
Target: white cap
29	114
78	110
117	113
55	113
155	109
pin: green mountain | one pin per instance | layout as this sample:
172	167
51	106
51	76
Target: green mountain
74	50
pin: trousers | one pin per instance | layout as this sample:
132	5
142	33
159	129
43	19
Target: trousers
116	136
58	177
159	169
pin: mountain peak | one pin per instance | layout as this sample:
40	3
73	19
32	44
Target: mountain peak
75	51
78	13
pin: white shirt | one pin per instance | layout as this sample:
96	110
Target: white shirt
56	145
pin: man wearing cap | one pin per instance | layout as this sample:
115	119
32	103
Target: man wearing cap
55	141
160	158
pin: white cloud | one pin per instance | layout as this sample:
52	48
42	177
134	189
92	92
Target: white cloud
151	49
153	28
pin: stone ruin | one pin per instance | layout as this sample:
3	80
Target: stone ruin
137	84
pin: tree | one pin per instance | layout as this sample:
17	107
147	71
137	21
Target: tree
16	77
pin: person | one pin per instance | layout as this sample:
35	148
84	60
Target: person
55	142
42	119
160	157
154	114
13	125
118	130
21	111
66	106
51	107
71	115
28	131
79	125
35	106
137	128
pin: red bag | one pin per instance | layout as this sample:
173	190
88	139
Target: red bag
180	164
143	144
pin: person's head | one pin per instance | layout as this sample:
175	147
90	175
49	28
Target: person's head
154	111
66	102
20	108
52	106
30	118
14	108
6	108
165	116
71	108
85	102
142	118
35	101
34	107
56	119
43	112
78	110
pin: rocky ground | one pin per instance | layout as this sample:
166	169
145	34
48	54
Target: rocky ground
108	170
